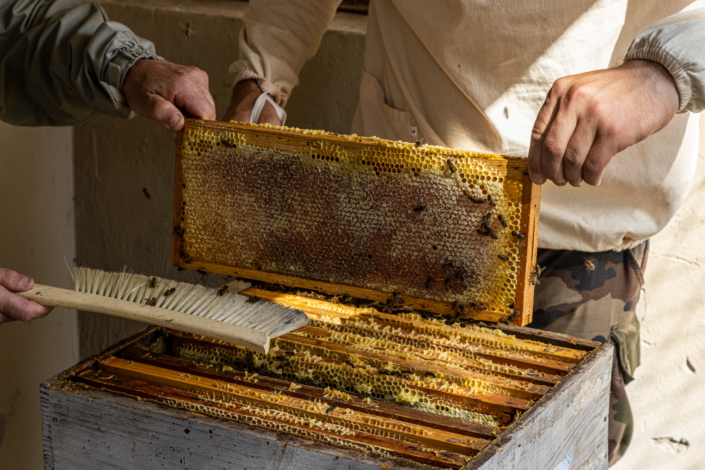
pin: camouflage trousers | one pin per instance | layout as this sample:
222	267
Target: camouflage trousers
594	296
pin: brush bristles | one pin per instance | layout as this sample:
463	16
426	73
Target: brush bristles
267	317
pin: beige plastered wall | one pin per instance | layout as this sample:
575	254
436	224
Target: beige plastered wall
36	233
116	225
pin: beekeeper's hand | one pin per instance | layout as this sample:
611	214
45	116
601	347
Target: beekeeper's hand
245	93
588	118
163	91
15	307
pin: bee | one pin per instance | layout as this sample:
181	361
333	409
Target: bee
332	407
517	235
515	315
474	305
185	258
168	292
502	257
481	307
451	167
152	283
350	364
429	281
511	306
179	232
397	299
589	265
252	300
492	233
447	264
187	31
535	274
502	221
504	320
419	143
447	283
288	353
478	200
227	143
146	193
461	309
454	305
486	219
200	271
492	203
384	372
223	290
152	302
419	208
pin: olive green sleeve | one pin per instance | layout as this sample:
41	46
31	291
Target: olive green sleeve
63	63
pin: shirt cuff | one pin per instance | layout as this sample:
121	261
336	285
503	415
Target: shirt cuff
241	70
683	82
118	67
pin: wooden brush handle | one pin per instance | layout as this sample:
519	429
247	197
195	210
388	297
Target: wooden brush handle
242	336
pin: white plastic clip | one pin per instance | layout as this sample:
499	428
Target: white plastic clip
259	106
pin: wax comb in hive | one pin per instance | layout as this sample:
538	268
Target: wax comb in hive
442	230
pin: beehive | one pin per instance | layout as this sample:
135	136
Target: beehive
400	390
441	230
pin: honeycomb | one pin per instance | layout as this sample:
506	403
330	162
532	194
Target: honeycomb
361	380
422	221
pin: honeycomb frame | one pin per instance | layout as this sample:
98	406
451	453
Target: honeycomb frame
233	215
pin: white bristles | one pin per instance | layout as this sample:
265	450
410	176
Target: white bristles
270	318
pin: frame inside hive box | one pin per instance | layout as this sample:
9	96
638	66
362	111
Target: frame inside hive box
407	225
413	397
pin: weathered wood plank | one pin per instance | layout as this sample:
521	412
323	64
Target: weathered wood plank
568	424
92	429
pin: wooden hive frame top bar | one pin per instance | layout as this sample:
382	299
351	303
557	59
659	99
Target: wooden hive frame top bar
388	221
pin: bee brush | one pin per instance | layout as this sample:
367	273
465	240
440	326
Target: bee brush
216	313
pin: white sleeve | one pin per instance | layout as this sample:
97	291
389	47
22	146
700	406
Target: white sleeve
279	36
677	43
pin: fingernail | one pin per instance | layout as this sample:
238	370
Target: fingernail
24	282
538	179
560	183
174	121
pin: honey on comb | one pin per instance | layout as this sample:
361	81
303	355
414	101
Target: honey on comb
349	215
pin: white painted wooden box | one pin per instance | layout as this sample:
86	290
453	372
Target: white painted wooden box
104	413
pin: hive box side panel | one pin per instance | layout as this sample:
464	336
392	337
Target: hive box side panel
90	429
566	430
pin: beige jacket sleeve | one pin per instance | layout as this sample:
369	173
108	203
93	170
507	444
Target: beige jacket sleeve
676	42
279	36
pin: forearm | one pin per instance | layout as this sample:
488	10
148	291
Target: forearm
276	41
677	44
64	63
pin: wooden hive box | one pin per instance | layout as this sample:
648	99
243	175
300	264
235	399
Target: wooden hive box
404	257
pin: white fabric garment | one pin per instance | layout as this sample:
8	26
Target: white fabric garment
473	74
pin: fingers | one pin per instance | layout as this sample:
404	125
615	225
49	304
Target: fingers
195	97
543	120
597	159
555	142
13	306
165	92
576	152
15	281
166	114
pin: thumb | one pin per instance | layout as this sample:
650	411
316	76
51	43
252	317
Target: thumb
14	281
166	113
